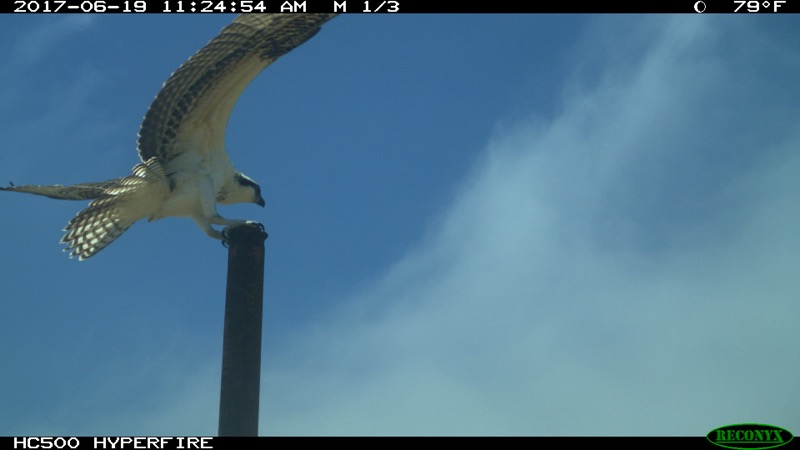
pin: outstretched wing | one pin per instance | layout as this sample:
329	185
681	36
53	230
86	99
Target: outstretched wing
95	227
196	101
82	191
128	200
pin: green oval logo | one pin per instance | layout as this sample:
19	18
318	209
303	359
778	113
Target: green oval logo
749	436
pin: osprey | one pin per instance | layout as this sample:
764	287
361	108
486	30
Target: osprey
185	169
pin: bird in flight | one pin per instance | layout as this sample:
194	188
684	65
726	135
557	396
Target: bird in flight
185	169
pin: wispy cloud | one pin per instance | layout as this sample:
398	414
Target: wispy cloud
41	107
600	273
34	44
23	52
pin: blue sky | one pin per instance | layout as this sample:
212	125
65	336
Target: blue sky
479	225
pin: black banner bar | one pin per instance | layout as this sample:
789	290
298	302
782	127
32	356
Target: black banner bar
744	7
223	443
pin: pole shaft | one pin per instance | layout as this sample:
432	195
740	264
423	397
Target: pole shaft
241	343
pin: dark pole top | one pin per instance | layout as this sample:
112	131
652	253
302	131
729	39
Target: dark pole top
251	234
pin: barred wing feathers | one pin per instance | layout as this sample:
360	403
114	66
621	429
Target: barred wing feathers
130	199
199	96
81	191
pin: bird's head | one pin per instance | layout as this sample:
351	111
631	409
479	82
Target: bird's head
245	190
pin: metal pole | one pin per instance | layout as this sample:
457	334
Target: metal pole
241	342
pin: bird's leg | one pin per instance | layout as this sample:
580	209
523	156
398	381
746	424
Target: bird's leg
219	220
205	224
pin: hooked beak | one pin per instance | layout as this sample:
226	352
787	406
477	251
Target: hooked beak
260	202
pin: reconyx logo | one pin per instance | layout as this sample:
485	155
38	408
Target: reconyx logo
749	436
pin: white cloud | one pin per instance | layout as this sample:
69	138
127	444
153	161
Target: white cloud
604	273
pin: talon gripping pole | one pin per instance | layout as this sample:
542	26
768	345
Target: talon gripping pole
241	342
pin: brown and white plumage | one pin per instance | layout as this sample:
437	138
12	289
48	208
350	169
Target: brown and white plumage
185	169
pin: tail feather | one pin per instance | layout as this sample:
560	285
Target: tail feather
117	204
94	228
101	222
